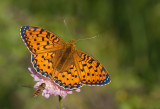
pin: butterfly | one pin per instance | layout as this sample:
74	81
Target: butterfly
53	58
40	88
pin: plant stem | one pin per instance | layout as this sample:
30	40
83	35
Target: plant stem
60	102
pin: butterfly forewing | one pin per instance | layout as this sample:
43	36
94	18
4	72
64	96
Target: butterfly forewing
40	40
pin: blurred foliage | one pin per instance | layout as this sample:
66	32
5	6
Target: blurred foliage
128	46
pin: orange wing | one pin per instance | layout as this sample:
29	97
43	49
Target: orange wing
68	79
40	40
45	47
83	70
91	72
44	63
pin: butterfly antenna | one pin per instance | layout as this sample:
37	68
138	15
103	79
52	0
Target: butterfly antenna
88	38
67	28
68	31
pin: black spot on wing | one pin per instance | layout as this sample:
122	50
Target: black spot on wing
84	57
84	65
41	31
90	61
90	67
97	64
42	38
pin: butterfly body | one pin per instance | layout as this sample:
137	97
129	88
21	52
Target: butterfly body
66	56
70	68
39	89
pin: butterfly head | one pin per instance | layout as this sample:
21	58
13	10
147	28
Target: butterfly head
72	43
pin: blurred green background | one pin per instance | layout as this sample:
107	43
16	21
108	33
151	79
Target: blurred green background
128	46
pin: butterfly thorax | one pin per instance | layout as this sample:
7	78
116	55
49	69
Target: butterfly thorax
66	56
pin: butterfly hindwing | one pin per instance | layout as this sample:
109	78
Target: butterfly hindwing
44	63
69	78
40	40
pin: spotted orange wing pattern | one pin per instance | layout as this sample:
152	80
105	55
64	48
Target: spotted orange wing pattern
39	40
83	70
46	49
44	63
91	71
69	79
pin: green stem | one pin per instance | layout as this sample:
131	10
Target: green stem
60	102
